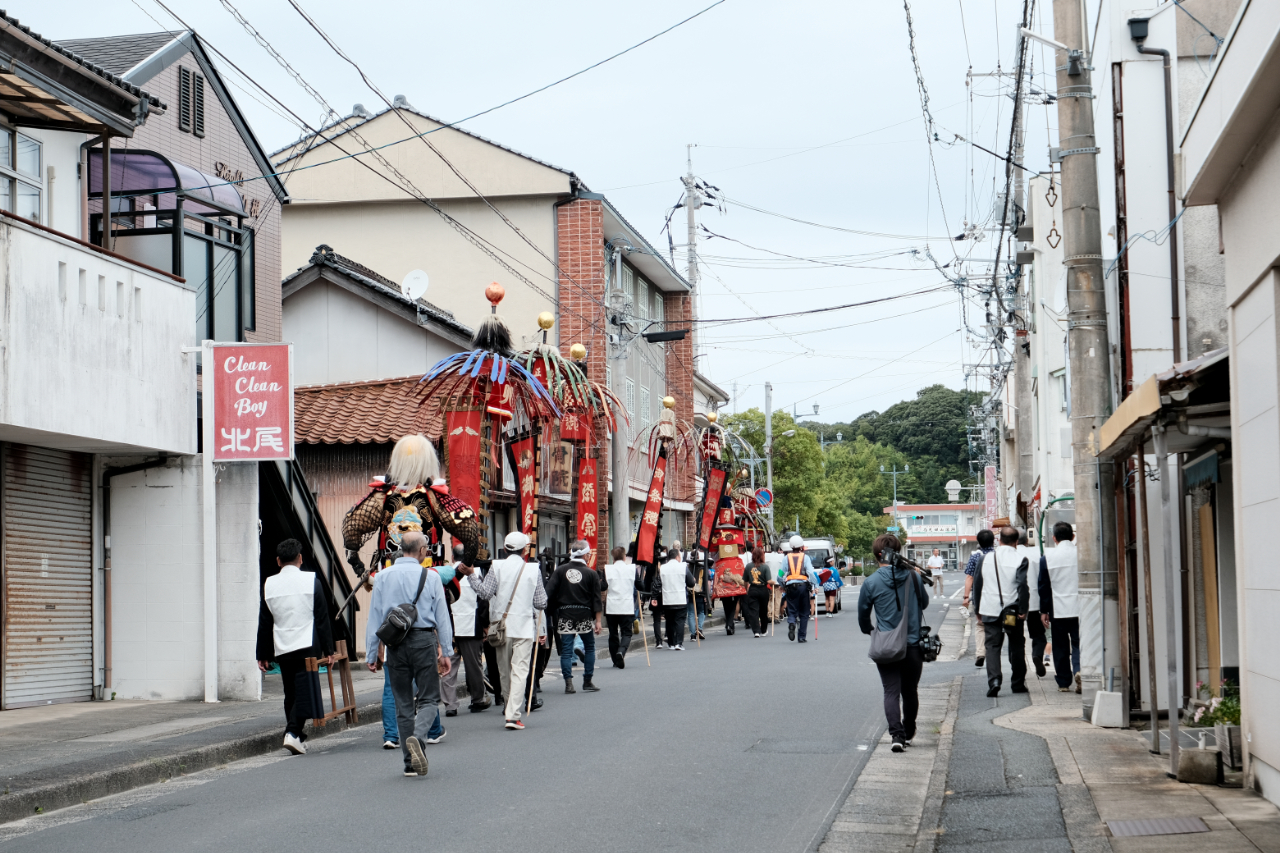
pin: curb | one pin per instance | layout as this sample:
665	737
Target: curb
104	783
928	833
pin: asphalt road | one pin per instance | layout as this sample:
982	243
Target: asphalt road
741	745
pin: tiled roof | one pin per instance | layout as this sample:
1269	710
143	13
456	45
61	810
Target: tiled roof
325	255
377	412
118	54
91	64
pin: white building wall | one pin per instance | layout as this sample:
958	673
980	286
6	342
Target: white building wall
157	637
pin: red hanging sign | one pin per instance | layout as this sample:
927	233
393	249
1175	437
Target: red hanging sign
252	401
463	435
715	486
576	426
526	451
652	510
588	508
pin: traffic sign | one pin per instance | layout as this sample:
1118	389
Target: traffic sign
764	497
893	529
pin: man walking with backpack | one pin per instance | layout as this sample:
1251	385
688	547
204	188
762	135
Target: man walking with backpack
416	660
896	593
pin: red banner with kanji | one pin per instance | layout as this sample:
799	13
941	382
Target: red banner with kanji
588	508
462	433
576	426
525	452
648	534
715	486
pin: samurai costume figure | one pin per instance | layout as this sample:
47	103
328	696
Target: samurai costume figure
410	498
728	584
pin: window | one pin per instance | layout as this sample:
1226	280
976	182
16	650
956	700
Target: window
642	298
646	415
659	309
1061	376
190	101
629	284
631	395
21	168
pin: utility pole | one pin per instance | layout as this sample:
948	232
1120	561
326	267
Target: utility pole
619	501
1023	437
768	445
692	201
1088	349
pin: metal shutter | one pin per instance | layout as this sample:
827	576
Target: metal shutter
46	545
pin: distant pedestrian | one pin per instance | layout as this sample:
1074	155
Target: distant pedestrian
886	592
986	543
293	625
416	664
831	583
756	603
935	565
619	605
574	591
799	585
1060	605
514	590
1000	588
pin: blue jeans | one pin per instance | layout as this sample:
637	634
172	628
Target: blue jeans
588	641
390	730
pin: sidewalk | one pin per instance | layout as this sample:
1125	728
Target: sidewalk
1024	772
55	756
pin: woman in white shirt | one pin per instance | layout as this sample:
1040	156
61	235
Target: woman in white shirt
619	605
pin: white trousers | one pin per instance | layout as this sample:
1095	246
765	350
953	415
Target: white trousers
513	671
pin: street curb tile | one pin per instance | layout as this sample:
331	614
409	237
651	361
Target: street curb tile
95	785
931	818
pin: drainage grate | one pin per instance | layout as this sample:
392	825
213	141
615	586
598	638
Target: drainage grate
1156	826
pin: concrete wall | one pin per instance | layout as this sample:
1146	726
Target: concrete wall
90	349
157	582
339	337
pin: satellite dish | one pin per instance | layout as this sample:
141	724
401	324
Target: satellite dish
414	285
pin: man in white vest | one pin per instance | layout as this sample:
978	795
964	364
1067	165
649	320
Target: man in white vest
1001	591
620	604
672	588
293	625
470	619
1060	605
513	587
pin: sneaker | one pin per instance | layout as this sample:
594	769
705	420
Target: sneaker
757	636
417	758
451	712
477	707
907	742
391	744
1064	690
791	631
679	647
516	725
409	771
803	640
898	746
829	615
618	662
537	703
437	738
979	660
659	647
294	745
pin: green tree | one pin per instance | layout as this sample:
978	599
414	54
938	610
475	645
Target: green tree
797	465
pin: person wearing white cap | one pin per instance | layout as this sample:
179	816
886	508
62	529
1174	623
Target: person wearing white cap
576	590
798	584
513	588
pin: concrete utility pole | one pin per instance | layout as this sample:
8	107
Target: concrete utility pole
768	445
692	201
619	501
1023	437
1087	346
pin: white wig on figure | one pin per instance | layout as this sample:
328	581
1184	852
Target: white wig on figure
413	462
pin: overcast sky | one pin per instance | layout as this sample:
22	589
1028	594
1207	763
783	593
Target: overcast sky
806	109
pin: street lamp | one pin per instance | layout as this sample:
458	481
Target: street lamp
895	472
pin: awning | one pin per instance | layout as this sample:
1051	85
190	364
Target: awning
1194	397
144	173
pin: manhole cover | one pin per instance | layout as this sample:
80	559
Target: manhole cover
1156	826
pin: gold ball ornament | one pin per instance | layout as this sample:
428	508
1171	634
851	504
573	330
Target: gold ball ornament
577	352
495	293
546	320
712	417
668	402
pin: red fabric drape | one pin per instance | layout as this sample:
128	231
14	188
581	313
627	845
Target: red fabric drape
526	451
463	435
715	487
588	508
652	510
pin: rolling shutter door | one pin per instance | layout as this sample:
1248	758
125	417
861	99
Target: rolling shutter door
46	545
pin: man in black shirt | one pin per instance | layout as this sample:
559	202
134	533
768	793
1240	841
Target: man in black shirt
756	606
574	591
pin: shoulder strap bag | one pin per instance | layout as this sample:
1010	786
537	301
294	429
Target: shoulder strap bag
1008	614
891	646
497	636
399	620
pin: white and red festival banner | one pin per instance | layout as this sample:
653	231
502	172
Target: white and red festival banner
525	451
715	488
252	389
648	535
992	508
